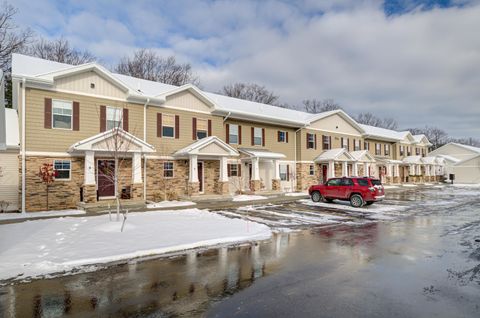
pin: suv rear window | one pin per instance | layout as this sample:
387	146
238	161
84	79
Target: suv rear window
376	182
347	182
362	182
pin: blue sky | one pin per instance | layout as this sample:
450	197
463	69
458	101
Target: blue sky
417	61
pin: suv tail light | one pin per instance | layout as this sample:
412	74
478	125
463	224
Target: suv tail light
372	189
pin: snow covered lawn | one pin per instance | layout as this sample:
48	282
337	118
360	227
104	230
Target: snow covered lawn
295	194
244	197
33	215
41	247
408	185
170	204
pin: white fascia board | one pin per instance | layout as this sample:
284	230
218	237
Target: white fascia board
259	119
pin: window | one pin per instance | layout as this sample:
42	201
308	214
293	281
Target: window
311	170
202	128
378	149
233	134
345	143
356	144
362	182
233	170
423	152
334	182
283	172
387	150
409	151
326	142
168	126
417	151
402	150
114	118
61	114
282	136
346	182
366	145
62	169
310	141
168	169
257	136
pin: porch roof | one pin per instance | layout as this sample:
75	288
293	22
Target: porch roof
413	159
337	154
362	156
261	153
112	140
210	146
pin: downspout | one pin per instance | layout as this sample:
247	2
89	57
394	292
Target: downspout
226	117
23	145
144	156
295	146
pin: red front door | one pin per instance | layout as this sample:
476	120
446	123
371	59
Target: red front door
106	178
324	173
200	176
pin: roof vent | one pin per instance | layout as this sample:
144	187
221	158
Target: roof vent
92	85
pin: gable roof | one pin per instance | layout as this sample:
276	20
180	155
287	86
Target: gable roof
197	146
315	117
422	138
413	159
334	154
261	153
362	156
471	148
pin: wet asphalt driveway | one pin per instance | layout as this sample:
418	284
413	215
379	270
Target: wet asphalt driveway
415	255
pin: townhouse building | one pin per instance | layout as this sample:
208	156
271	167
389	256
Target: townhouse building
106	133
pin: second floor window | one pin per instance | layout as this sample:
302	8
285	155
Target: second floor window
366	145
326	142
282	136
345	143
409	151
387	150
310	141
114	118
61	114
233	134
202	128
378	149
356	144
168	126
417	151
402	150
257	136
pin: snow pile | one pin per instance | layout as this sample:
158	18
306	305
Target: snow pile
33	215
296	194
244	197
170	204
390	187
41	247
408	185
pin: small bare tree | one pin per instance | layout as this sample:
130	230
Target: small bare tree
250	91
59	50
315	106
147	64
47	174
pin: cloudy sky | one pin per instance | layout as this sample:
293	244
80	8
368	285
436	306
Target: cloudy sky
417	61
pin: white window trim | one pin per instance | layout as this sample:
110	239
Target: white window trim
106	116
284	136
230	134
174	126
312	141
310	170
255	129
236	169
71	121
173	169
327	138
70	170
280	172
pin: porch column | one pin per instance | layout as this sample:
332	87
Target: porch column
434	171
331	169
397	170
223	169
193	173
355	169
427	170
255	169
344	169
89	168
412	170
276	169
137	168
365	169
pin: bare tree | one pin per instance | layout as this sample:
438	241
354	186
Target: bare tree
315	106
372	120
469	141
250	91
437	136
59	50
148	65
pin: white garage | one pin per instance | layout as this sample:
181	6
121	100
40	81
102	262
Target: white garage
461	161
9	151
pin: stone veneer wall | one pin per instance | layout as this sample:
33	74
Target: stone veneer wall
157	185
211	174
62	194
304	179
338	170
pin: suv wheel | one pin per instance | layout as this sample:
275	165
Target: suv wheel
356	201
316	196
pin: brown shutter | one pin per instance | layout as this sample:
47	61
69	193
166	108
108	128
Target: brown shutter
323	145
263	137
286	136
229	169
159	124
209	127
278	136
348	144
315	136
76	116
330	142
288	172
47	121
240	170
253	132
177	127
239	134
307	134
103	118
125	119
227	137
341	142
194	128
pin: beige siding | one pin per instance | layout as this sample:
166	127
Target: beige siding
310	154
372	143
40	139
168	146
9	179
336	124
271	138
81	83
187	101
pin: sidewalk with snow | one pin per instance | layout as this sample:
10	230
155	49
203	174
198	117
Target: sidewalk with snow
35	215
40	247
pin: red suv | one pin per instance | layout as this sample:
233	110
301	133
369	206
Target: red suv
359	191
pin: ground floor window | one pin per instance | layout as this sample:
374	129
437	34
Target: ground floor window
311	170
62	169
233	170
168	169
284	172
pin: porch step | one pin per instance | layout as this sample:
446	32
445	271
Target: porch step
103	206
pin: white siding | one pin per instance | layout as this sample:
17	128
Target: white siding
9	179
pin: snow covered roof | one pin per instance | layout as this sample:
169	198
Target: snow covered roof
449	158
362	156
337	154
12	129
422	138
413	159
261	153
386	134
471	148
209	146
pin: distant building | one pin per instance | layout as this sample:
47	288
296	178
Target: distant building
461	161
